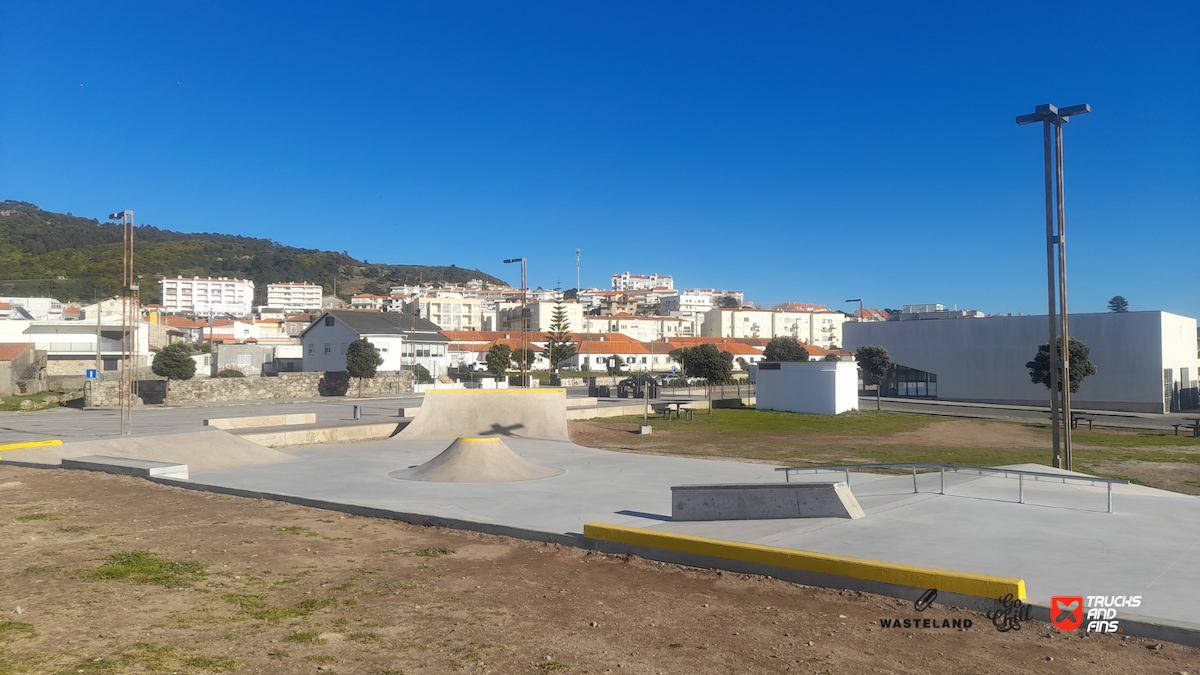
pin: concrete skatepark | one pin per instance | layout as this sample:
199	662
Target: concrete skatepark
1061	541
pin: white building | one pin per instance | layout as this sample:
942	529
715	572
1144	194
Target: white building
70	346
631	282
448	310
325	341
1145	361
644	328
40	309
294	296
541	316
821	327
812	388
204	295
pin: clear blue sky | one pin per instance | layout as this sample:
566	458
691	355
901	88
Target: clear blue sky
807	154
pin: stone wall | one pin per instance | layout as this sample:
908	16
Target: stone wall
284	386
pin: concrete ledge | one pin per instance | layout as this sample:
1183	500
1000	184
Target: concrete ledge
762	501
126	466
29	444
276	437
261	421
896	574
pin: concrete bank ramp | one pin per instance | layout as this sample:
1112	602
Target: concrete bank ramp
201	450
759	501
447	414
477	460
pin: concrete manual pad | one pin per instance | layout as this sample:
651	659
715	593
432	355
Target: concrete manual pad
127	466
757	501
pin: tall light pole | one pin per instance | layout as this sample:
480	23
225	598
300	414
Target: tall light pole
524	314
1052	120
860	308
129	318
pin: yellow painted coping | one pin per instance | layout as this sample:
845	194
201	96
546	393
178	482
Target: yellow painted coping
981	585
534	390
478	440
29	444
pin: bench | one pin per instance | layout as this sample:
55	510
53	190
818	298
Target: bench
1076	419
677	406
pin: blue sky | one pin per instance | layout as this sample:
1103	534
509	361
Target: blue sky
797	152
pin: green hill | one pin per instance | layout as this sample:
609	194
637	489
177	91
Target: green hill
77	259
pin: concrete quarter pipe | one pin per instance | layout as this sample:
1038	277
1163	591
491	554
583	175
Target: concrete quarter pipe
448	414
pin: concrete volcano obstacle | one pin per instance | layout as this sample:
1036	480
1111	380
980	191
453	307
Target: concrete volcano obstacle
477	460
447	414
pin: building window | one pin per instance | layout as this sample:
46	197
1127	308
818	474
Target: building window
312	349
382	348
328	348
328	320
243	358
110	364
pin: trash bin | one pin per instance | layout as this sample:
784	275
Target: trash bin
604	391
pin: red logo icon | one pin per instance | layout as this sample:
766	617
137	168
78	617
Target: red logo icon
1066	612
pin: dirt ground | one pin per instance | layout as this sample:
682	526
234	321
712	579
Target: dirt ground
253	586
972	442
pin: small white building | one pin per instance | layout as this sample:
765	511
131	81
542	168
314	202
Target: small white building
292	297
396	336
631	282
204	295
810	387
38	309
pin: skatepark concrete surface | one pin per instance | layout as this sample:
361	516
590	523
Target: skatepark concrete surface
447	414
208	450
477	460
1061	541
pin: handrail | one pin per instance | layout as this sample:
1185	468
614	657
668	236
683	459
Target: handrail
1020	474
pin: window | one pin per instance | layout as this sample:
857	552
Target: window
312	349
243	358
383	348
328	320
328	348
110	364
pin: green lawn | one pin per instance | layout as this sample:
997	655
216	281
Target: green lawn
14	402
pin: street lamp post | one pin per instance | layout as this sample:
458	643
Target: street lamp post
129	318
524	314
860	309
1052	119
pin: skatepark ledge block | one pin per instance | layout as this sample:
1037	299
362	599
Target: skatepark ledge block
964	583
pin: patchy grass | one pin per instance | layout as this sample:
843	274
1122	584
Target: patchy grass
35	517
307	638
39	401
321	658
434	552
743	422
552	666
255	606
15	630
216	664
146	568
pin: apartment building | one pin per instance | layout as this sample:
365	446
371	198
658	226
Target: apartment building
541	315
632	282
447	310
644	328
294	297
818	326
204	295
696	301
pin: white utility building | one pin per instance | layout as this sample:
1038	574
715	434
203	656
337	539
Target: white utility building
811	387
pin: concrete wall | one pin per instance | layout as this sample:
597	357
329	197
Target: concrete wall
812	387
983	360
284	386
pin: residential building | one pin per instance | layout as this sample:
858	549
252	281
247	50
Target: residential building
541	316
448	310
696	301
394	334
71	346
1145	361
371	302
228	330
867	314
294	296
36	309
204	296
644	328
819	326
629	282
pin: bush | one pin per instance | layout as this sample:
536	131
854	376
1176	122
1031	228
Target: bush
174	362
230	372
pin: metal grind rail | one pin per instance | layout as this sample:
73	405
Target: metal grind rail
981	470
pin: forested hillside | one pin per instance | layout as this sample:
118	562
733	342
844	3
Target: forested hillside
78	259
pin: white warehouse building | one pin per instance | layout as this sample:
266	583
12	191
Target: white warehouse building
1145	361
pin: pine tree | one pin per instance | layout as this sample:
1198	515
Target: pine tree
560	346
1118	304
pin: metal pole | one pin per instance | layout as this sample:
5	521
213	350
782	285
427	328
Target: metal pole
1021	488
943	471
1062	303
1110	497
914	480
1050	277
847	477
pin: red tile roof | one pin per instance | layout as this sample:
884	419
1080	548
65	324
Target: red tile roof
10	351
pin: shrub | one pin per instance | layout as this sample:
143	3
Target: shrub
230	372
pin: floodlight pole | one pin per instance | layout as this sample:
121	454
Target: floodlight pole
1052	119
524	315
129	317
